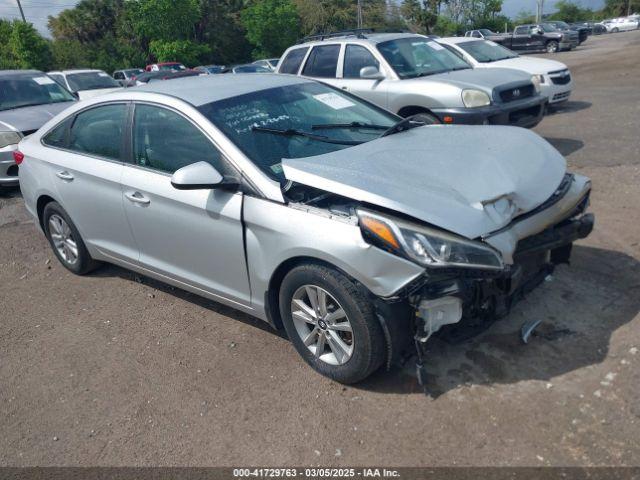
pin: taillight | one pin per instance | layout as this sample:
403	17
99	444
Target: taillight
18	156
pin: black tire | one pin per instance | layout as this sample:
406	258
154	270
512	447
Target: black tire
367	335
552	46
427	118
84	263
615	30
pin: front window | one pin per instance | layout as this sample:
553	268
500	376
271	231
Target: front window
418	57
548	27
17	91
295	121
356	58
90	81
485	51
485	32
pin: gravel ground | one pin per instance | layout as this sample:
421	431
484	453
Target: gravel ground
115	369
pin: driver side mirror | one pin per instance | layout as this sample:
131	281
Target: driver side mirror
201	176
371	73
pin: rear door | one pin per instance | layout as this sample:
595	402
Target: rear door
86	162
322	63
192	236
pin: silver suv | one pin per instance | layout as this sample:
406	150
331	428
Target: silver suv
412	74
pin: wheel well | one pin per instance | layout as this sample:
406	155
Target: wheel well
42	202
272	296
405	112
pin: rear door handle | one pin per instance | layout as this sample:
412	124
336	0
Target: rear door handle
137	197
64	175
345	88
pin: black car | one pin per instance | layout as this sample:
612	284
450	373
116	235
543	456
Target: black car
147	77
583	32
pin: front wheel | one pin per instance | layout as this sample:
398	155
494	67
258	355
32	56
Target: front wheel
552	46
615	30
331	323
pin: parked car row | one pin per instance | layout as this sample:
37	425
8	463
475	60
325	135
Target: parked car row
325	199
448	80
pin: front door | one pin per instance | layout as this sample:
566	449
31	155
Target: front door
192	236
357	57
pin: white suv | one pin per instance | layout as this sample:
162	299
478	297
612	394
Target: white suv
411	74
554	77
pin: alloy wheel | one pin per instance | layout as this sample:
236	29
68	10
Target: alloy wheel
62	238
322	324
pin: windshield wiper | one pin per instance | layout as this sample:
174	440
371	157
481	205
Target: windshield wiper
290	132
354	125
403	125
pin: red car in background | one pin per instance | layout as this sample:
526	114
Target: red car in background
166	66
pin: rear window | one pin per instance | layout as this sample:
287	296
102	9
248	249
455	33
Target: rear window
293	60
322	62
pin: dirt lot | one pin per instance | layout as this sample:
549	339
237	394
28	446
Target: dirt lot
114	369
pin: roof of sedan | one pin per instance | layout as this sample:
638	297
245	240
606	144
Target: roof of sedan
19	72
205	89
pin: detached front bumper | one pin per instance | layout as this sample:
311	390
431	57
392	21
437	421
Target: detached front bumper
8	167
525	113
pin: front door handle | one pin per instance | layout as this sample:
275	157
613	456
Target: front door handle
137	197
64	175
345	88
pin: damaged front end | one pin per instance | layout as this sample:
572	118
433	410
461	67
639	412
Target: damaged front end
460	299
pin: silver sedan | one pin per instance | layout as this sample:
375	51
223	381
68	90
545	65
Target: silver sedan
360	233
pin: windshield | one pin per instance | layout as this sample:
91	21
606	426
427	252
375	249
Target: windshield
547	27
133	71
250	120
418	57
485	32
561	25
172	66
90	81
17	91
485	51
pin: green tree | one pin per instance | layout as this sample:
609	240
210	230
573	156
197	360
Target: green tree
568	11
184	51
272	26
21	46
422	15
617	8
167	20
221	29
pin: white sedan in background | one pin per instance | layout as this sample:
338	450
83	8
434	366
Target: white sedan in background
86	83
623	24
554	77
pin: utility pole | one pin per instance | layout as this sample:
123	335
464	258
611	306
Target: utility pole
359	21
539	10
21	11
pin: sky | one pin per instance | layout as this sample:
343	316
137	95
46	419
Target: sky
36	11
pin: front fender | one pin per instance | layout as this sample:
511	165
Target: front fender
276	233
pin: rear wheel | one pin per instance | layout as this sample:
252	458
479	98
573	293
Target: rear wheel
331	323
65	240
615	30
552	46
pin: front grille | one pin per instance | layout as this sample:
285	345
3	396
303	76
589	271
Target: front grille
562	79
561	96
516	93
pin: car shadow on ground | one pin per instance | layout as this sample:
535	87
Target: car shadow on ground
580	309
569	106
566	146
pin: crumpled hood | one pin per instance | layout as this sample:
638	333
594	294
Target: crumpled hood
470	180
30	118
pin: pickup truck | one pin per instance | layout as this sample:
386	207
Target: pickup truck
531	37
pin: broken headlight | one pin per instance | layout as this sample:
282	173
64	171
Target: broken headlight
427	246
